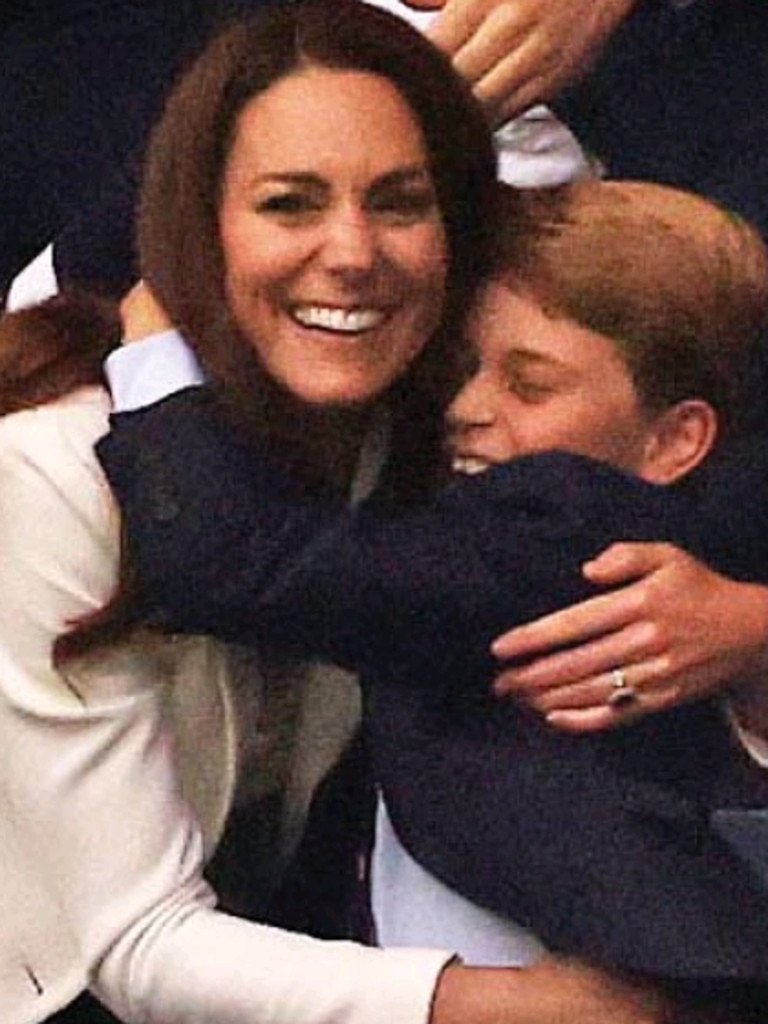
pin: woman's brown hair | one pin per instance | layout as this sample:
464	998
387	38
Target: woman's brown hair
180	251
48	350
181	255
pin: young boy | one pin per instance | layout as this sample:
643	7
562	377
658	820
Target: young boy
612	342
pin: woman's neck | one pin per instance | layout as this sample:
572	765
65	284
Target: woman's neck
318	444
332	442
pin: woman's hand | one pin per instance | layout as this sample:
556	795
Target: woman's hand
142	314
553	991
676	630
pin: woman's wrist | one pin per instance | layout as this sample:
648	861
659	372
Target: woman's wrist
551	990
482	995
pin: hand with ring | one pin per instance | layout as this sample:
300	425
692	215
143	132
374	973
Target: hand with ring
670	631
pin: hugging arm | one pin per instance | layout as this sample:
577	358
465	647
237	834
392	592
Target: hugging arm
680	629
504	544
224	543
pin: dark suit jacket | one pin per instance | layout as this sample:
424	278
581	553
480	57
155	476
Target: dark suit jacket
602	844
81	82
680	96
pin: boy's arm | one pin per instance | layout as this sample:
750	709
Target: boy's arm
208	524
224	543
213	529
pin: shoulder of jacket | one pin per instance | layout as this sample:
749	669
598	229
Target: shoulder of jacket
58	435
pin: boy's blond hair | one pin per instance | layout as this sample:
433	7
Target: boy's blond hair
680	283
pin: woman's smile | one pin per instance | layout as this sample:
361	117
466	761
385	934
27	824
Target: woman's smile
339	320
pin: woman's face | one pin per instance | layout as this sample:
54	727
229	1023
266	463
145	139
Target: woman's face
334	246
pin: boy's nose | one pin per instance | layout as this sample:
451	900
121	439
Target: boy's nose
473	405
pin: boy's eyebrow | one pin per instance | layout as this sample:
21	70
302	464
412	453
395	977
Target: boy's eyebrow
515	356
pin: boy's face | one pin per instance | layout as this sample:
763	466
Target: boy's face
543	383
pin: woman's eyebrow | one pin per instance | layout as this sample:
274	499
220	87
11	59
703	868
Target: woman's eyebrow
303	178
413	173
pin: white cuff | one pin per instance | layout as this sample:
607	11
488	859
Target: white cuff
144	372
36	282
753	743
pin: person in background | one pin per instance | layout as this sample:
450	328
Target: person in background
82	82
127	759
70	184
534	148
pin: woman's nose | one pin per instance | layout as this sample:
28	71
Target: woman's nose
350	241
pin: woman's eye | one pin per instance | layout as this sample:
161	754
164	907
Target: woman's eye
287	203
410	205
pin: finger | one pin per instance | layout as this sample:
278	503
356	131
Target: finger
513	83
528	93
577	623
651	687
597	717
623	561
591	693
456	23
496	42
649	681
630	645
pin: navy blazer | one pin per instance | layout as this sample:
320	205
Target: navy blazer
82	82
680	96
605	845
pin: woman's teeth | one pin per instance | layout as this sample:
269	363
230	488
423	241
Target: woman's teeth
343	321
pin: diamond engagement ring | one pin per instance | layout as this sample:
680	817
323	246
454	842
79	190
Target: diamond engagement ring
622	693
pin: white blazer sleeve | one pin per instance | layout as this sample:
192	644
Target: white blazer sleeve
90	802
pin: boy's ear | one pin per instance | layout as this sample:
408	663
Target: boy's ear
679	439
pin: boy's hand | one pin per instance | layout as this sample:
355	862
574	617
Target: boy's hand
142	314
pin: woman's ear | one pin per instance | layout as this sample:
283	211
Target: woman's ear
680	438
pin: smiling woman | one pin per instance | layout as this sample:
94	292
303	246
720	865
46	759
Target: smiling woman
342	173
335	250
